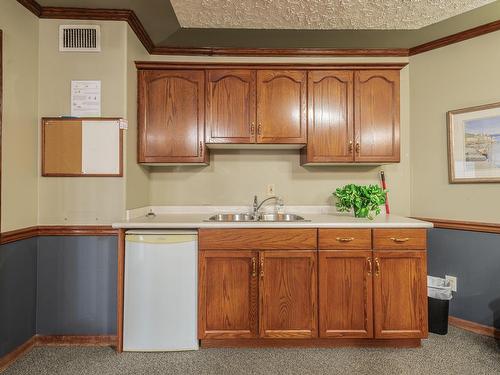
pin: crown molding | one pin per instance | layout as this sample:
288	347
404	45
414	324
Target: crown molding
131	18
455	38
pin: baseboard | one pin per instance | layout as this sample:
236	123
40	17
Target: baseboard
474	327
310	343
73	340
57	340
17	353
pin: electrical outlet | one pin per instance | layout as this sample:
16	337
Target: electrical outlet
270	189
453	282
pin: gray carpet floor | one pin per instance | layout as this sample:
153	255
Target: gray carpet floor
459	352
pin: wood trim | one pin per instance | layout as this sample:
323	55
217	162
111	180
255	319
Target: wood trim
1	115
32	6
480	329
120	290
471	226
326	52
57	230
309	343
76	340
76	230
17	353
18	235
165	65
455	38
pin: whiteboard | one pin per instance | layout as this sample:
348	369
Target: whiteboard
101	147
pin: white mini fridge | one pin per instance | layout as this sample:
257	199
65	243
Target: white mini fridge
161	287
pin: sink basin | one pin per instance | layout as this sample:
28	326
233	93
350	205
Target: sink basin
232	217
280	217
271	217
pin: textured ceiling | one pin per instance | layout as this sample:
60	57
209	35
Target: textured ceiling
318	14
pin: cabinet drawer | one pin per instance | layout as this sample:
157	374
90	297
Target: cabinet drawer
393	239
345	239
258	239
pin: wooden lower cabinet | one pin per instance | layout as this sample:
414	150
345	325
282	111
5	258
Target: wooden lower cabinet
345	294
288	294
400	294
228	294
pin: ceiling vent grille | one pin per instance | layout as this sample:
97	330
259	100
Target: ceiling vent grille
79	38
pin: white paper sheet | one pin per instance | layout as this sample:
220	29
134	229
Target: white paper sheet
101	147
86	98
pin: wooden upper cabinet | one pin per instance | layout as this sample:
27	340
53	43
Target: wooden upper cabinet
231	106
330	117
171	116
281	106
228	294
400	294
288	294
376	115
345	294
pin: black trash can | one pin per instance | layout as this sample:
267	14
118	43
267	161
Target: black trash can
438	315
438	297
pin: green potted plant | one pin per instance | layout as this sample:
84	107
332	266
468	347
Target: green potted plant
365	201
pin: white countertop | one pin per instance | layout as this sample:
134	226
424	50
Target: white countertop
319	217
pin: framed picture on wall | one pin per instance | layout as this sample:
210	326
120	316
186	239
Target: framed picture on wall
474	144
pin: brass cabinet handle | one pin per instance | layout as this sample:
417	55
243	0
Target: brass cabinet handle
350	147
358	147
259	129
400	240
201	148
262	267
345	239
370	267
377	267
254	267
252	128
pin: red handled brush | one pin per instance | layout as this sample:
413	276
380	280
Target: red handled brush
384	186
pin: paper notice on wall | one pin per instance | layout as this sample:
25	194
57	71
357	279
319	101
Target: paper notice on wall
86	98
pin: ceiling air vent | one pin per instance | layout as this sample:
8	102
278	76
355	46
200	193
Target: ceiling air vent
79	38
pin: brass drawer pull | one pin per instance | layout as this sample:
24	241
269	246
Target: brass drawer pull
262	267
370	267
345	239
254	267
400	240
377	267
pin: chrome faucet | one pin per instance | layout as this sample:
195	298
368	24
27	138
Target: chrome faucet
257	206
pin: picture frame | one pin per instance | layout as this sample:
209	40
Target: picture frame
474	144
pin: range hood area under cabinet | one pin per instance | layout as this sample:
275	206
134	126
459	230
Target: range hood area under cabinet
335	113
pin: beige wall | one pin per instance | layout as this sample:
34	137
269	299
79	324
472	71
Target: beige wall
460	75
137	177
83	200
233	177
20	116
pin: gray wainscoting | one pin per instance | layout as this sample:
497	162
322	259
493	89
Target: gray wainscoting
474	258
18	262
77	285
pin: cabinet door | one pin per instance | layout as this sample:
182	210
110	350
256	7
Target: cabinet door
171	116
330	129
288	299
281	106
376	101
231	106
400	294
345	294
228	294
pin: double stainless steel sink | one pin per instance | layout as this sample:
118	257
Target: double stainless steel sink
267	217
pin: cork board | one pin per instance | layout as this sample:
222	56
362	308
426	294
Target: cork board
81	147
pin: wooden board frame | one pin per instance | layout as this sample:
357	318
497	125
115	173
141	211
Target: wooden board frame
44	122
